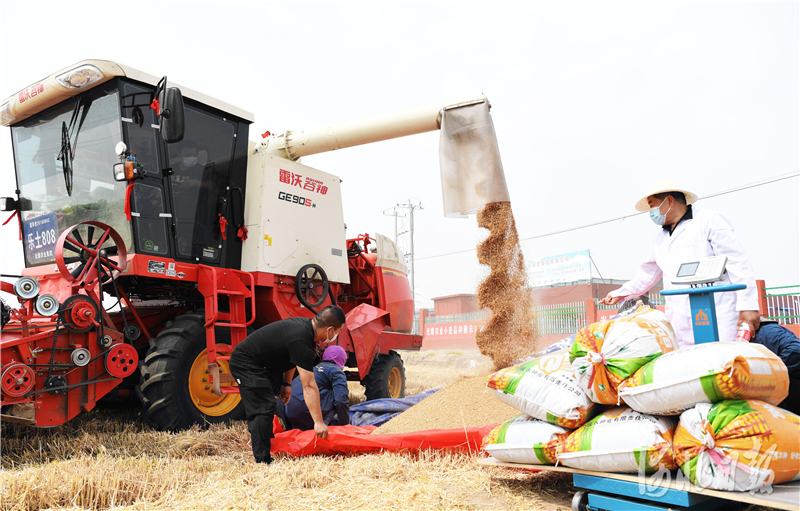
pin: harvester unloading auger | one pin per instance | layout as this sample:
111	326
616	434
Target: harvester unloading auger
126	190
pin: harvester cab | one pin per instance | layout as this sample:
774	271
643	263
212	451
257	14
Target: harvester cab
156	237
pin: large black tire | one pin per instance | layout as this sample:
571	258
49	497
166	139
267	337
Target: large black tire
167	399
386	378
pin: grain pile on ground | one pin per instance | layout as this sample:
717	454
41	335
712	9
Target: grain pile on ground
509	334
110	459
428	370
463	403
102	462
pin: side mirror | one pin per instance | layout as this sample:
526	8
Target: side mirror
126	170
172	116
8	204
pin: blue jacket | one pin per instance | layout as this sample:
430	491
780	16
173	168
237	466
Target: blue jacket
334	397
782	342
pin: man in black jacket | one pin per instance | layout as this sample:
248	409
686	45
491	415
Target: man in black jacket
264	364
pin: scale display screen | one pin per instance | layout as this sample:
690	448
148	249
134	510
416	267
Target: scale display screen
688	269
704	271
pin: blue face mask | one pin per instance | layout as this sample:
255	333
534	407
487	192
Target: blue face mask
656	216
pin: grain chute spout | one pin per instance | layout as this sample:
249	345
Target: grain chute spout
471	171
469	160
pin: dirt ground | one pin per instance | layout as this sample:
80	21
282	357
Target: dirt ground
109	459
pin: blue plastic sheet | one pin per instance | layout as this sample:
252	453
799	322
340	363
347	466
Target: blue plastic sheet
380	411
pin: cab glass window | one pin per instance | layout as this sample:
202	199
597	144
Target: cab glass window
87	128
200	166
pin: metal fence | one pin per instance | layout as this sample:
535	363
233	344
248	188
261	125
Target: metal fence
562	318
783	305
456	318
654	298
550	319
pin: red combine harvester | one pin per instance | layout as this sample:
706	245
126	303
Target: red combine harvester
156	237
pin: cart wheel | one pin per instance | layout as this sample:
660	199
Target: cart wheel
580	501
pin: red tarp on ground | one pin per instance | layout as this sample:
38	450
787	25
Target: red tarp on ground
355	439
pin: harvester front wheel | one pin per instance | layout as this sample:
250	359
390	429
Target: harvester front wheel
386	378
176	387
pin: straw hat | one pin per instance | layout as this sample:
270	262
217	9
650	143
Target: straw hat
661	186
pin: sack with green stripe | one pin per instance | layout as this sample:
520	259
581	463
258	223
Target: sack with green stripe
544	388
621	440
605	353
706	373
524	439
738	445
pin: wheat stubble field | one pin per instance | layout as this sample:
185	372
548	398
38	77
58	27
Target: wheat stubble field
109	459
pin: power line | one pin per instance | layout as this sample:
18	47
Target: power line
553	233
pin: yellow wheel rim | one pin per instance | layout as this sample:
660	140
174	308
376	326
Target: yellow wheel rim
395	383
200	388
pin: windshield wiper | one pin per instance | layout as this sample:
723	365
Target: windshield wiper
68	147
65	157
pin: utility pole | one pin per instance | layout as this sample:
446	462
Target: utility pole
411	206
395	213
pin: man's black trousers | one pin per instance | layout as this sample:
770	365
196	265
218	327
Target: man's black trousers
260	407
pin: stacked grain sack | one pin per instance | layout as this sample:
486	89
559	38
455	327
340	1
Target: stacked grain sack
567	388
634	359
552	404
731	436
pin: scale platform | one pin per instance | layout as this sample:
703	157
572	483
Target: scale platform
614	491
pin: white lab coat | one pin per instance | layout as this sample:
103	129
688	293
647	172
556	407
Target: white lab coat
706	234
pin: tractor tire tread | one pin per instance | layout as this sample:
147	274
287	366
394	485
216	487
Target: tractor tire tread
376	381
162	404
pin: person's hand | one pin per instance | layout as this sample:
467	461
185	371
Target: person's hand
286	394
321	429
752	318
610	300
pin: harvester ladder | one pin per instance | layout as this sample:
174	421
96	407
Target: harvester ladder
237	286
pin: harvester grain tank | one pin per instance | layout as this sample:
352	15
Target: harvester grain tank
152	195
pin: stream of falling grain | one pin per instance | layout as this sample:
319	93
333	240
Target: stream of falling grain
510	333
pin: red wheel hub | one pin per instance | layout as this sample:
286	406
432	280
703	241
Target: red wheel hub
17	380
82	315
121	360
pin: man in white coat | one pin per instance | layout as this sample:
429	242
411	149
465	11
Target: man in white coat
689	234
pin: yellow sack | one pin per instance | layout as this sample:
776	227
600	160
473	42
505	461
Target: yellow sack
738	445
604	354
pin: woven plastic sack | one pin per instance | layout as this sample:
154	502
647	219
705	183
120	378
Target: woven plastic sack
706	373
524	439
738	445
544	388
621	440
606	353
